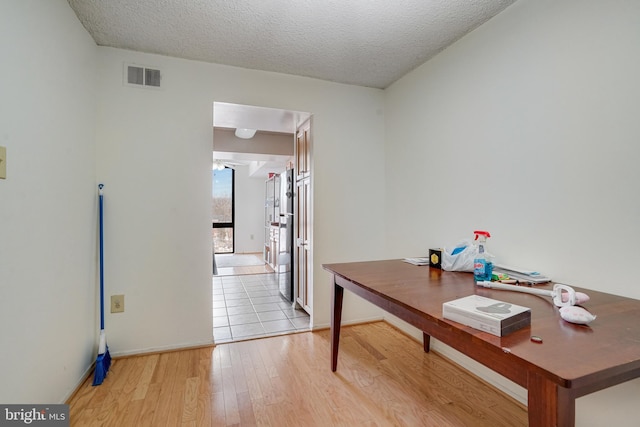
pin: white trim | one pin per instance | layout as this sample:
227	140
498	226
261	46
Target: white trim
141	352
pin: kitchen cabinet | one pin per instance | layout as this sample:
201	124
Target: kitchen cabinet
303	271
303	247
303	152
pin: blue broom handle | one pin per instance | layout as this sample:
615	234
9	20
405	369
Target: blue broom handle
101	264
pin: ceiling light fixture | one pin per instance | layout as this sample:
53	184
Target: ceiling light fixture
245	133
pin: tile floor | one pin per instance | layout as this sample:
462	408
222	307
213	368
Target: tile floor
250	306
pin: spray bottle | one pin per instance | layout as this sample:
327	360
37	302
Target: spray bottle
482	267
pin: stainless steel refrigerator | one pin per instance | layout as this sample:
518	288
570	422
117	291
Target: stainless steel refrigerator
285	255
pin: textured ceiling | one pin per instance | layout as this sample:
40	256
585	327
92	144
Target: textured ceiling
362	42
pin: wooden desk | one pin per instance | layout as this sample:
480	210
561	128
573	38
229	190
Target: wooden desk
573	360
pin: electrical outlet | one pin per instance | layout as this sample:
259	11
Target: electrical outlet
117	303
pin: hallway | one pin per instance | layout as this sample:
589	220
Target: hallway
250	306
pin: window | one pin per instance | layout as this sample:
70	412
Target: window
223	205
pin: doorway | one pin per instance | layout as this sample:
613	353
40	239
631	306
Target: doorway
249	307
248	304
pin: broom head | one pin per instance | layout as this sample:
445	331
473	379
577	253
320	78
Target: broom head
103	361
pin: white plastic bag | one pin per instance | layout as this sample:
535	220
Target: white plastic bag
457	259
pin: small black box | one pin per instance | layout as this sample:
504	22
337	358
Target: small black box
435	258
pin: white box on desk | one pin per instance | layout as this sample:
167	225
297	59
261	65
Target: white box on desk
498	318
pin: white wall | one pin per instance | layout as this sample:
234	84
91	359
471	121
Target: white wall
528	127
551	83
48	203
67	128
154	156
250	199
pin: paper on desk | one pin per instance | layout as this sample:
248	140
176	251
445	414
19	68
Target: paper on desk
417	261
529	276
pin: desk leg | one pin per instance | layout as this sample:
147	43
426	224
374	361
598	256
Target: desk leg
566	408
426	341
549	404
336	318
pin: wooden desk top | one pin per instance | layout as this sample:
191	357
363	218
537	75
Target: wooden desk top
585	358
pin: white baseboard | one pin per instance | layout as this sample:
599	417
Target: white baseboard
82	379
143	351
349	322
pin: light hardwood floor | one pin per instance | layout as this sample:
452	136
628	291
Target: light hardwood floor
384	379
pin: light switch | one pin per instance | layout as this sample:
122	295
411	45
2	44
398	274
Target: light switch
3	163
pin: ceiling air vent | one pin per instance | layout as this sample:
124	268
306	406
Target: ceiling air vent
136	75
